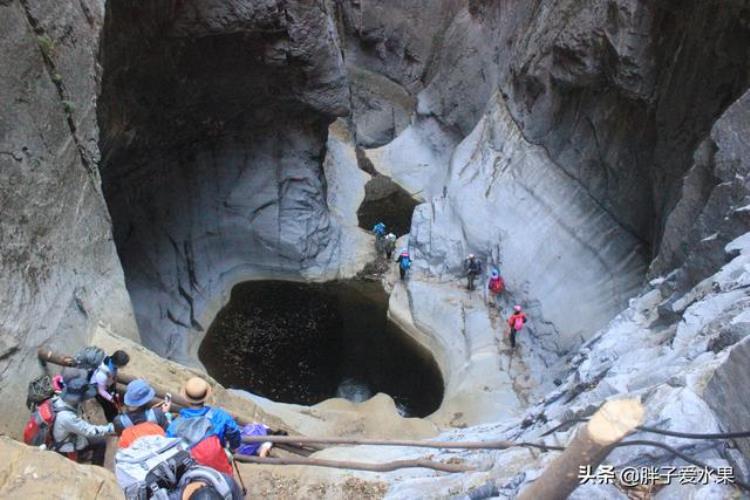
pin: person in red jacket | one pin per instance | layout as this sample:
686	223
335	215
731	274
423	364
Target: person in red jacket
496	284
516	322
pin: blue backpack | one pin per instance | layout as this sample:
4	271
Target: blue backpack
379	229
405	263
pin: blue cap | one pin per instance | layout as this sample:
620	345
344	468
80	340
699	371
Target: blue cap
139	393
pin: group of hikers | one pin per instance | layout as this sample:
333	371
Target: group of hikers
386	243
160	454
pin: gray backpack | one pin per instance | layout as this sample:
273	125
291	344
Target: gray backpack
208	476
192	430
151	467
89	358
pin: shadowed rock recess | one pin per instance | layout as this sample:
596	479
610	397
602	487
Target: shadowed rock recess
597	152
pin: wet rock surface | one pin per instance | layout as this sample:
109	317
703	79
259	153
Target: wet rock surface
304	343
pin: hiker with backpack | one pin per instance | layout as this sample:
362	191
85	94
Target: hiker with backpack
104	379
496	284
389	245
139	419
204	483
516	322
160	467
72	435
472	269
379	232
404	263
207	429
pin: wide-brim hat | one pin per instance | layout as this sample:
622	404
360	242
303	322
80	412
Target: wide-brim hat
138	393
196	391
76	390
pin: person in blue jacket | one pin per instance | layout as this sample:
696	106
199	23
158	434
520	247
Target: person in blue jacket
196	391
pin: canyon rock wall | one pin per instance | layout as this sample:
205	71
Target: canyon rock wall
214	122
611	99
59	271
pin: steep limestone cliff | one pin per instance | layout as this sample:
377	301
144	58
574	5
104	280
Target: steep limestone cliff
59	272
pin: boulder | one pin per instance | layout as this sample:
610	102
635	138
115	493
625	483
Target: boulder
28	472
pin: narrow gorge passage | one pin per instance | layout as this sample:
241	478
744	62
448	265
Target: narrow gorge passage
304	343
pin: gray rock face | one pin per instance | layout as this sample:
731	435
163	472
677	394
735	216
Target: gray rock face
59	272
213	151
602	86
714	207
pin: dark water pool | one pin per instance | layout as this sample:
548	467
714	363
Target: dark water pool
304	343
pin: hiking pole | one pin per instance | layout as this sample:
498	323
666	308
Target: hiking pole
239	476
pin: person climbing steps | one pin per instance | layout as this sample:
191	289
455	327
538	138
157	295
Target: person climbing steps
404	261
472	268
379	232
496	284
389	245
516	322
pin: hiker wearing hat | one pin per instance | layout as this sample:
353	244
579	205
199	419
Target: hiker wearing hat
139	418
73	436
207	429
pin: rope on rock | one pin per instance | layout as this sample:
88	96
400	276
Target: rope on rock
463	445
376	467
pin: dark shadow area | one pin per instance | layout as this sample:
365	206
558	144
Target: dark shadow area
304	343
387	202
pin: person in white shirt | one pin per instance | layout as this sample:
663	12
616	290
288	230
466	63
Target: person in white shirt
104	379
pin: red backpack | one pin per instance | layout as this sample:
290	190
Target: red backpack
38	429
210	452
205	447
497	285
517	321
